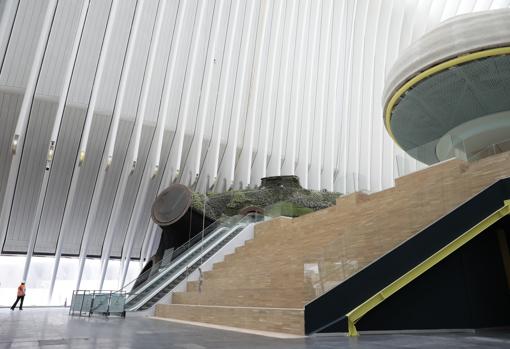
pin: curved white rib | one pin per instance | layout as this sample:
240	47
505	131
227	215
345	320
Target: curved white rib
263	87
112	135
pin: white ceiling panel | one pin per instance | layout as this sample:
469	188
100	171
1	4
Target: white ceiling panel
110	188
138	66
59	48
60	180
10	105
24	38
154	189
115	58
88	55
28	184
87	179
131	192
8	10
160	65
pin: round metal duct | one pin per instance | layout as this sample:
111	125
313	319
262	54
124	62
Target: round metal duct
171	205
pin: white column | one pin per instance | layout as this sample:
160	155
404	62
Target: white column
7	19
332	130
268	112
381	49
231	152
347	103
283	104
368	112
84	140
57	124
205	106
133	224
170	76
322	96
298	85
225	86
131	156
175	160
91	108
108	153
309	96
246	159
357	86
119	102
142	107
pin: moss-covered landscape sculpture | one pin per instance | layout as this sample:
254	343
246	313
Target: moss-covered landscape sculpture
276	196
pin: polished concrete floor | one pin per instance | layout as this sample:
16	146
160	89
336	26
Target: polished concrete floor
53	328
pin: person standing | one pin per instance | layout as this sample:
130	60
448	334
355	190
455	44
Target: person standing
21	296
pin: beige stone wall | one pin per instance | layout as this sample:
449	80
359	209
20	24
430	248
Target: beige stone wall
263	319
269	270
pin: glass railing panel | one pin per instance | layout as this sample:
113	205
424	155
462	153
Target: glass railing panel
491	149
446	148
167	261
100	303
379	223
182	270
89	302
336	263
239	224
178	251
194	273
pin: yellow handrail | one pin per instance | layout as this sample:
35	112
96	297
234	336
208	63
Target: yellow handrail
469	57
357	313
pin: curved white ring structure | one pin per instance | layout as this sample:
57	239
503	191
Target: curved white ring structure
453	38
452	76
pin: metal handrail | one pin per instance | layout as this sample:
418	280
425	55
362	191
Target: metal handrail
89	309
178	272
201	243
177	258
166	270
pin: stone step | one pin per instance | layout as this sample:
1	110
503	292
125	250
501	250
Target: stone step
230	283
253	265
283	320
239	276
249	297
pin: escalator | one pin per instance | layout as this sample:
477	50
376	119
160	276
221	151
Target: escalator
165	275
453	274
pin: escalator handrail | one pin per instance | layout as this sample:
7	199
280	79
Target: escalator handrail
176	274
175	258
165	270
215	225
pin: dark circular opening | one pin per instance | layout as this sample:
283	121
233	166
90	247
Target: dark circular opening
171	204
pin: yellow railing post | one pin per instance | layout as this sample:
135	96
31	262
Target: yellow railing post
353	332
357	313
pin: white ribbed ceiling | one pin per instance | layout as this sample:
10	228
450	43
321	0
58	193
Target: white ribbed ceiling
218	93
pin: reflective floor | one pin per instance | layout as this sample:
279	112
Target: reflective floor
53	328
